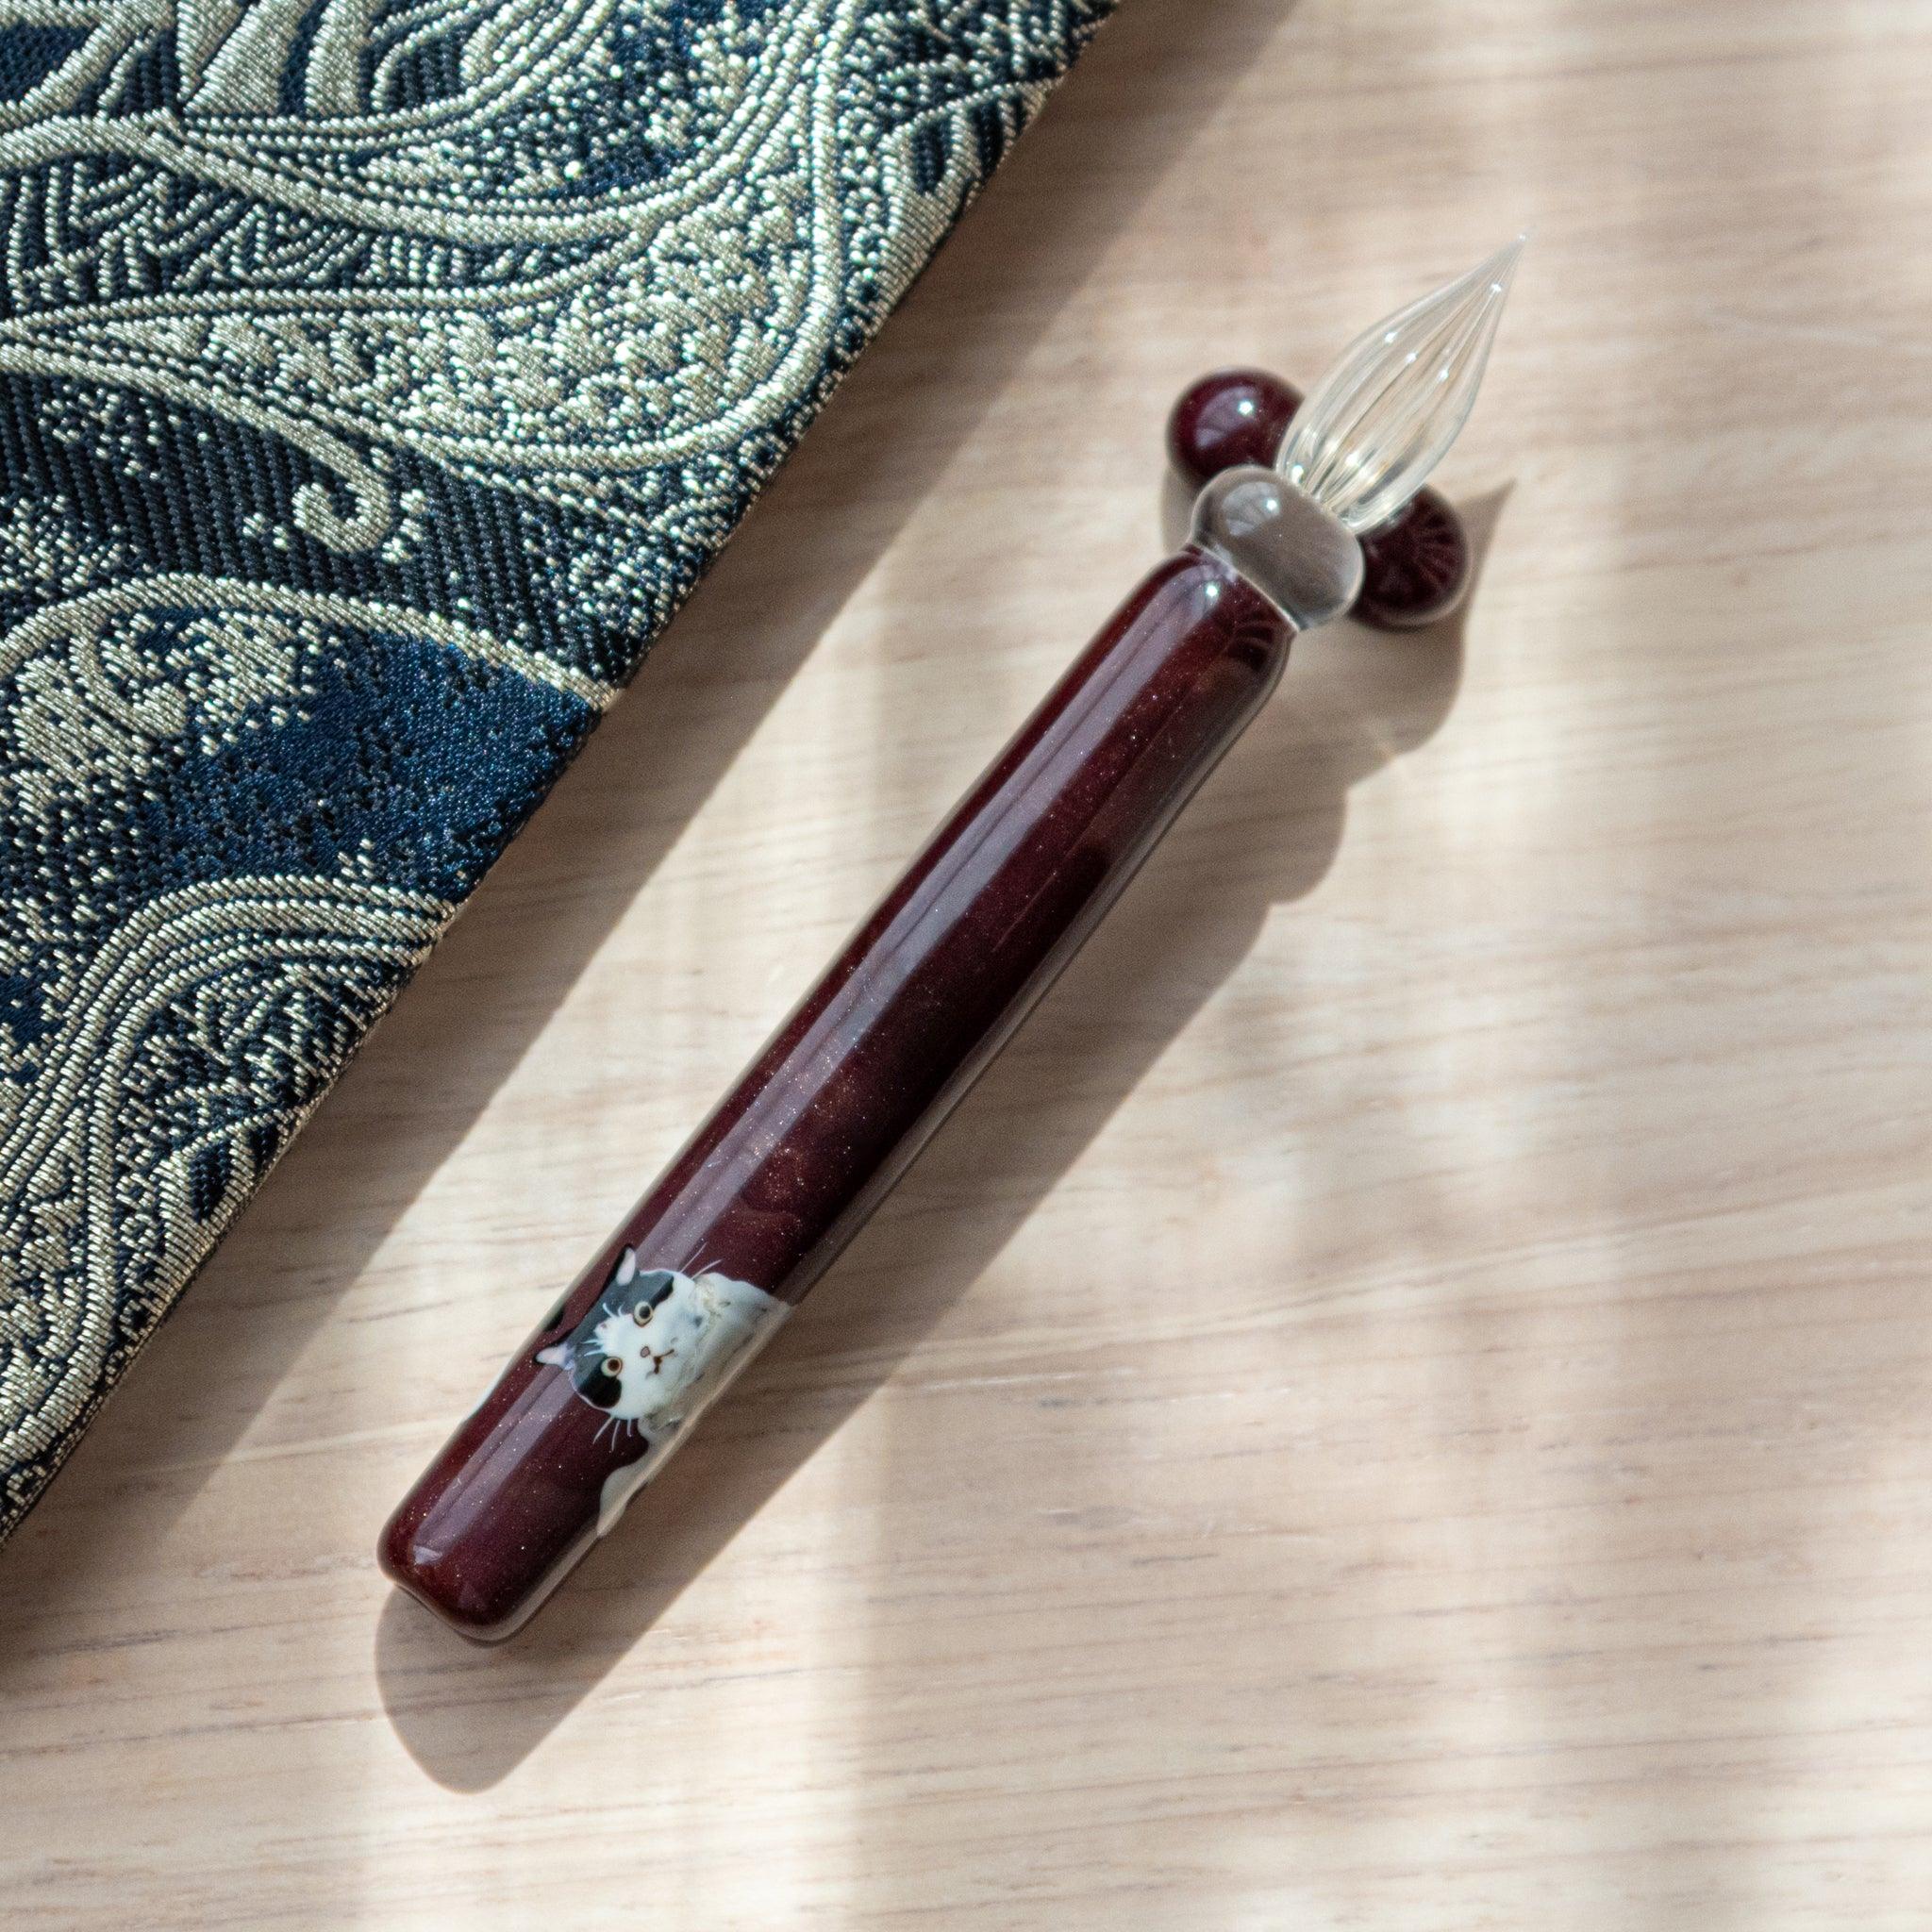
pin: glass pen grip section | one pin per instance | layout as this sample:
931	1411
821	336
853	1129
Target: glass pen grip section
844	1094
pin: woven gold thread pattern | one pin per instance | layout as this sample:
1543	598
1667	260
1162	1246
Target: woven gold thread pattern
377	376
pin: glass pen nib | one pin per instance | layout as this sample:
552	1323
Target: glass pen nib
1382	418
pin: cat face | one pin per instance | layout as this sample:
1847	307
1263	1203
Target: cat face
656	1342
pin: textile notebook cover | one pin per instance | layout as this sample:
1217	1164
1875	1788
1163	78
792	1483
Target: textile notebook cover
377	376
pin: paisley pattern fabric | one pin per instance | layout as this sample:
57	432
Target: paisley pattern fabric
377	376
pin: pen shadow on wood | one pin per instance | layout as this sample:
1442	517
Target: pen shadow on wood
480	1003
1355	702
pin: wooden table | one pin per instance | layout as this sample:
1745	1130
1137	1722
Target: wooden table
1402	1403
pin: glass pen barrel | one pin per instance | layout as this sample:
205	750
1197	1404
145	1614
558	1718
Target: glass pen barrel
790	1165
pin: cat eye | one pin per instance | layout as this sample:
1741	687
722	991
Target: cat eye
613	1366
642	1314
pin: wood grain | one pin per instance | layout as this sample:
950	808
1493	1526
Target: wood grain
1402	1402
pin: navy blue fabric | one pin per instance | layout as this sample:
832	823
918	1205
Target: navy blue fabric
374	383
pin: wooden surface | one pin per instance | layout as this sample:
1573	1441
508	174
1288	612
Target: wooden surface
1402	1403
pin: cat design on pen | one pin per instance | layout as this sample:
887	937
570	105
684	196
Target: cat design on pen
653	1350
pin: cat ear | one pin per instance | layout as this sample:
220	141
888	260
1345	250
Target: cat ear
627	1268
555	1356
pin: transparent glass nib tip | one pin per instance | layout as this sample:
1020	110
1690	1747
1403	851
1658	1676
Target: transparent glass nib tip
1376	426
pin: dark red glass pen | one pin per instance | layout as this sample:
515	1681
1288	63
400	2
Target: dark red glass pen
831	1114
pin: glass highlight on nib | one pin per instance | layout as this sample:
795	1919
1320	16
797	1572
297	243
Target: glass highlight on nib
1383	417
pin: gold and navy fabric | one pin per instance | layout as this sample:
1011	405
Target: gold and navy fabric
377	376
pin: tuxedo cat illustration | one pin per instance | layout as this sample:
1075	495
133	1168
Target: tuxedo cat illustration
654	1348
